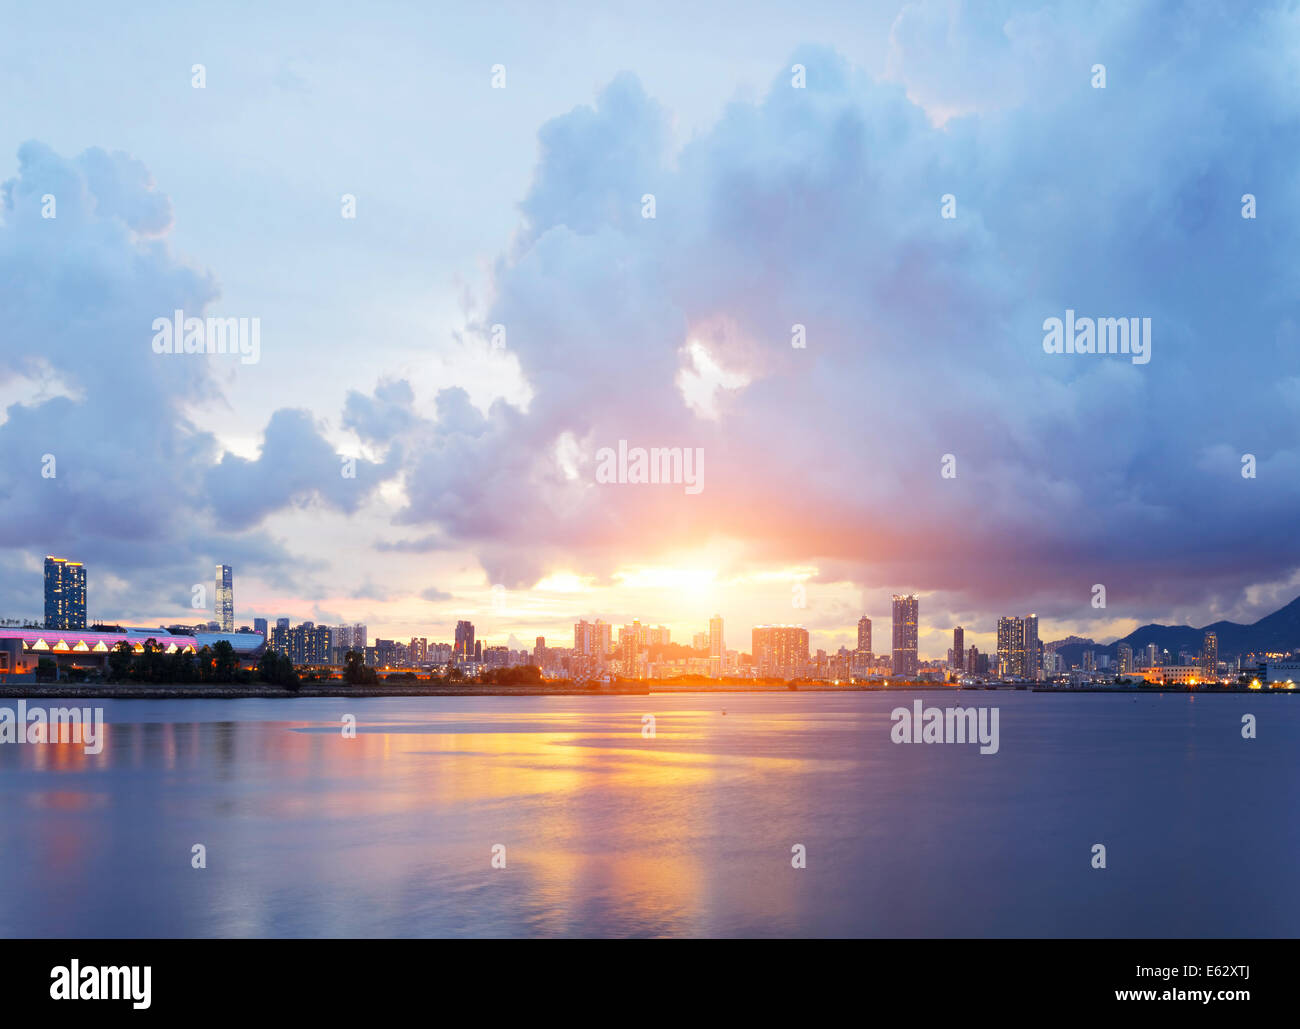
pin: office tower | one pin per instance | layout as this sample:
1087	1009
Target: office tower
906	617
464	641
864	636
1032	654
65	594
225	605
1210	657
1011	647
780	651
1153	656
1125	655
958	648
972	658
259	627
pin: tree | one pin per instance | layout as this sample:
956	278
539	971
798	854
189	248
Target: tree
119	662
46	670
355	672
224	661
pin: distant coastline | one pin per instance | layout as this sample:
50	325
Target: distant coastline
191	691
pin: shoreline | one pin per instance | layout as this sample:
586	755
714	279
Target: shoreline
99	691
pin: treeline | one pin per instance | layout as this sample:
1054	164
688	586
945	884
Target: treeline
214	664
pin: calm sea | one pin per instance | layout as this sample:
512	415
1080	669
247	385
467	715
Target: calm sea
689	833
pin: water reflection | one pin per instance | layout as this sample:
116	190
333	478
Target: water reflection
309	832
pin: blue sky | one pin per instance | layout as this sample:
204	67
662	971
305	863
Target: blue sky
521	207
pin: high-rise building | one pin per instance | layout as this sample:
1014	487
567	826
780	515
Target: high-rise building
225	606
1125	655
1011	647
906	619
1032	658
958	648
259	627
65	594
864	636
780	651
716	645
972	659
539	652
1153	656
465	641
1210	657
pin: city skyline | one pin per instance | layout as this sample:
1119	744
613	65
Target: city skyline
1017	650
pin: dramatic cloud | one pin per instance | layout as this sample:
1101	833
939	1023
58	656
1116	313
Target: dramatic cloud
821	207
103	462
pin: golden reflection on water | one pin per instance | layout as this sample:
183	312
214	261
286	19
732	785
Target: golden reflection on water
592	812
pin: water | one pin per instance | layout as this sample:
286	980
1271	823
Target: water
690	833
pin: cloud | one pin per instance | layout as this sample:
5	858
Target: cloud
297	465
821	207
102	461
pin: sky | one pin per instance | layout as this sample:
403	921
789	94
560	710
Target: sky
500	309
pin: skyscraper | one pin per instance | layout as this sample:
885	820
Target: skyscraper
1124	654
958	648
906	617
65	594
864	636
1011	647
225	608
1210	657
259	626
716	646
464	641
1031	658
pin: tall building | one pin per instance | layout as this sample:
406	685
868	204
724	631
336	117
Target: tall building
465	641
539	652
780	651
716	645
958	648
1210	657
864	636
65	594
1032	658
1125	655
259	626
906	617
225	607
1011	647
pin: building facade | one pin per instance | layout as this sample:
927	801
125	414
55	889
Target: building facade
65	594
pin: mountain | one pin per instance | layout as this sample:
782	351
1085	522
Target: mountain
1279	631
